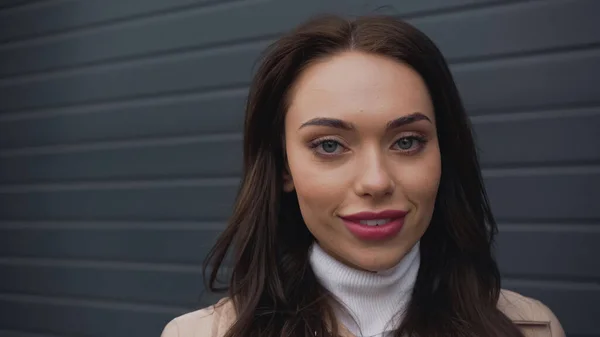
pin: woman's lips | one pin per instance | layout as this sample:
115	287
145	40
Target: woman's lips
375	225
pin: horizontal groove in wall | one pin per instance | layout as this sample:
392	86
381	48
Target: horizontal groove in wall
23	333
533	221
528	227
95	225
482	114
537	113
111	185
205	5
24	5
526	55
103	265
553	284
133	20
544	168
541	170
528	58
137	98
91	303
120	144
83	108
461	9
124	62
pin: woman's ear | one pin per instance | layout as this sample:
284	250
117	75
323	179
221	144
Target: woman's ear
288	181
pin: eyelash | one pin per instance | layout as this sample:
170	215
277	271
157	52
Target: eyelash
421	141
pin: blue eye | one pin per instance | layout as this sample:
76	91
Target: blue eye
406	143
410	144
329	146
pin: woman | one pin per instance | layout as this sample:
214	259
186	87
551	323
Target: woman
362	210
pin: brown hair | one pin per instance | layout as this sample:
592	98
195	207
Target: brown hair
272	286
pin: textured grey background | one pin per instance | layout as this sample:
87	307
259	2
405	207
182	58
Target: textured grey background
120	147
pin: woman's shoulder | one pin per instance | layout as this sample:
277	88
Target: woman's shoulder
531	315
212	321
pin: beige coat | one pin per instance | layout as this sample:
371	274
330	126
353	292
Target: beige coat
533	317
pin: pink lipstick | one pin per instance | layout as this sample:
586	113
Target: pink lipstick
375	225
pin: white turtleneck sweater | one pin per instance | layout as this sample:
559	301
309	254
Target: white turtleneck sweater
376	301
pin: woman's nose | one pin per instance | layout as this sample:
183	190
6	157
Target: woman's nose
374	179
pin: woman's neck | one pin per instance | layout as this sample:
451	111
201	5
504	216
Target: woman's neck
374	301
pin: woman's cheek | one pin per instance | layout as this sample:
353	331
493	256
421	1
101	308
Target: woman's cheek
318	186
421	184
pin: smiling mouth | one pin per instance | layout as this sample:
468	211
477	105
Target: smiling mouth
376	222
375	225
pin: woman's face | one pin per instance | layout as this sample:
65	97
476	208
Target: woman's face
363	157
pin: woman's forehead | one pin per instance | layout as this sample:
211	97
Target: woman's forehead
354	85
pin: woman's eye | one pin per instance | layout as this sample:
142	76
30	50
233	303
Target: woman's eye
406	143
409	143
329	146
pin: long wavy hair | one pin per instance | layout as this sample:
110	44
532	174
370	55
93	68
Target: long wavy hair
266	243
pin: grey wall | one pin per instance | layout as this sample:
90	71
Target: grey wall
120	147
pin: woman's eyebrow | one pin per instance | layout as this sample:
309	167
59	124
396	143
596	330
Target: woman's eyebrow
341	124
328	122
408	119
